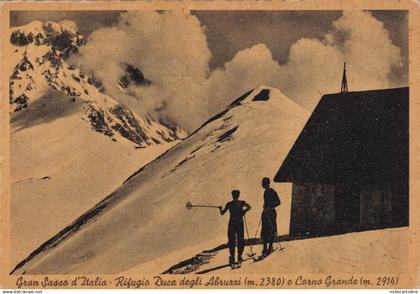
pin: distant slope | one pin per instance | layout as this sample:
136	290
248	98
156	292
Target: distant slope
146	217
58	171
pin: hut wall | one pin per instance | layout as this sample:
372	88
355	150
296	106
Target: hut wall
325	209
312	209
384	206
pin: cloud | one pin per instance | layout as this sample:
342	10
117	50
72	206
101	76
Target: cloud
368	49
314	66
171	49
248	69
69	23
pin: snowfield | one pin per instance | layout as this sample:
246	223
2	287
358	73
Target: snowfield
354	253
145	218
71	144
58	171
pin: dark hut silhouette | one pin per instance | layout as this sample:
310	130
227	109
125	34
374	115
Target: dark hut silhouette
349	166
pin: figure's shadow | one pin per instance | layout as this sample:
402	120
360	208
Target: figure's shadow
218	267
213	269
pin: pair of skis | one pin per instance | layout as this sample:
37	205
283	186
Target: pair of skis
263	256
255	259
236	265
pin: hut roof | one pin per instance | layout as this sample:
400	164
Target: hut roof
357	137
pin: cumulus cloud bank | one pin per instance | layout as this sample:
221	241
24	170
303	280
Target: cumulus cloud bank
172	51
314	67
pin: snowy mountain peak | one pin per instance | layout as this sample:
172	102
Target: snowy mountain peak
265	93
243	120
269	95
61	36
40	51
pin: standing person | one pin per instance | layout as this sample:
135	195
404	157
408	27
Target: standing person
237	209
269	217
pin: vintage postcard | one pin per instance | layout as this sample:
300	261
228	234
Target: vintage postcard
201	144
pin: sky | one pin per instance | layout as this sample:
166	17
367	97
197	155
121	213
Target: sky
231	31
201	60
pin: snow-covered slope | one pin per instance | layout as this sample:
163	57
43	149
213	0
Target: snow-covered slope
58	171
146	217
382	251
70	143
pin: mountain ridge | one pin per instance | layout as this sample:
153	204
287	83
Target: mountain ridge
40	60
224	139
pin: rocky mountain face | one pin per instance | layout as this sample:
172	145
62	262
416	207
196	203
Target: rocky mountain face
40	51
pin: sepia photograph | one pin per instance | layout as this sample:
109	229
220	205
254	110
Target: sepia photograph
209	146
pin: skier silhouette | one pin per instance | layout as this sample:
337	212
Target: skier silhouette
269	217
237	209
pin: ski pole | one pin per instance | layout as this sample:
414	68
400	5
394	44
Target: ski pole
250	244
256	233
189	205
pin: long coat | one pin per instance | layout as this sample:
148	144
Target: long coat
269	214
